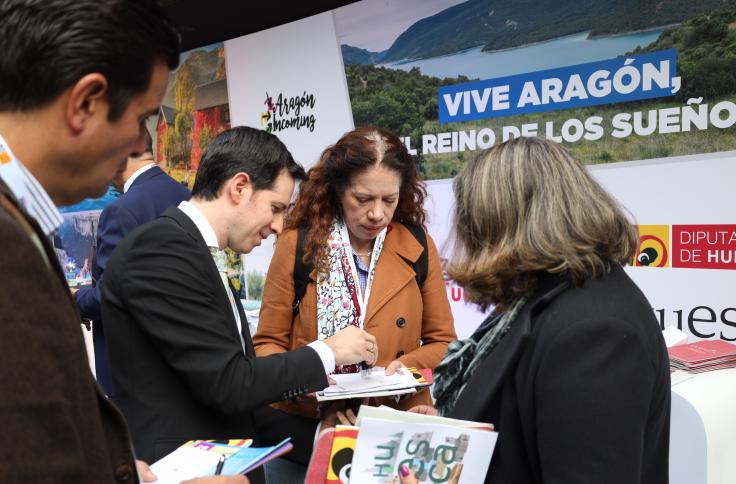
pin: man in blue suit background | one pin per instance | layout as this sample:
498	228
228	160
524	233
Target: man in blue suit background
147	191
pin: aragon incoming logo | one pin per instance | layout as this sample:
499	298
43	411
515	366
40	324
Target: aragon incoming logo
295	112
654	244
268	114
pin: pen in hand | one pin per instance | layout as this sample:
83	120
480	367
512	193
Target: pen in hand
365	368
220	463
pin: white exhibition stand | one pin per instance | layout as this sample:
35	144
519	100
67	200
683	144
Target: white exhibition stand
703	429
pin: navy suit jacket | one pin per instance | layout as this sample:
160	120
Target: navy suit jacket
148	197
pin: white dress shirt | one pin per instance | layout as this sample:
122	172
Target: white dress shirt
210	238
135	175
208	234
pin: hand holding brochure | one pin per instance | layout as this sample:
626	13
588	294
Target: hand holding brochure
436	449
199	458
250	458
375	384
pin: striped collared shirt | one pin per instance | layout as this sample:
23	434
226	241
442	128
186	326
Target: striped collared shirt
362	271
28	191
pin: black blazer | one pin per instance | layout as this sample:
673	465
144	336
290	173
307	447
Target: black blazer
152	192
579	389
57	425
177	362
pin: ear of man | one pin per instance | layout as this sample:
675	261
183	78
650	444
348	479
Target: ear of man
240	188
86	98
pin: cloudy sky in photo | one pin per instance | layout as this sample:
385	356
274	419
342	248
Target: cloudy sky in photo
375	24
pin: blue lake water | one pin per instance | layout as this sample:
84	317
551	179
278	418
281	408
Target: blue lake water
564	51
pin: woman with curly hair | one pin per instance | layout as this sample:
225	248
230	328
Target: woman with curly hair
571	367
361	222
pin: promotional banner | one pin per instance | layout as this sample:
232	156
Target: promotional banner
194	110
288	81
685	264
642	93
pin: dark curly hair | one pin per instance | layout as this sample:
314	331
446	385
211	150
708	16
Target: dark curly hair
318	202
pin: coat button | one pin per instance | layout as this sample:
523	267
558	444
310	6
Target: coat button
400	354
401	322
123	472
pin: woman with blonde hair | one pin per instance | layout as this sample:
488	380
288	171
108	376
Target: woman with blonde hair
571	367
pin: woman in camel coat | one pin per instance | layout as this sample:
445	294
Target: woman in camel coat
352	209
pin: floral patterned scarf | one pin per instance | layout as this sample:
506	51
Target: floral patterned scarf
340	300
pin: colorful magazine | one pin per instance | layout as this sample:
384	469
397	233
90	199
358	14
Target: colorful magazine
249	458
198	458
434	452
194	459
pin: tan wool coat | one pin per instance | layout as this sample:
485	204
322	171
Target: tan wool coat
411	325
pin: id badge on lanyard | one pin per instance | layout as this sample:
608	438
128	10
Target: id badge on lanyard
360	300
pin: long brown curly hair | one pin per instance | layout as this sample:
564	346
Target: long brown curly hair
319	199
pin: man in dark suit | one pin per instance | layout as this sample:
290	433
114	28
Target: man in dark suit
146	192
181	353
77	80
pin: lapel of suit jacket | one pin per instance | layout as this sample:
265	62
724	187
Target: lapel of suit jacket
498	365
191	229
393	272
47	247
249	350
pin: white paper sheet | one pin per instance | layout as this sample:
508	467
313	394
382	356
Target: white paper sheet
184	463
376	380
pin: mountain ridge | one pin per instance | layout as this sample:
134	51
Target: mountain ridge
504	24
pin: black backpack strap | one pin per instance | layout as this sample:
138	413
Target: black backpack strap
301	271
421	266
